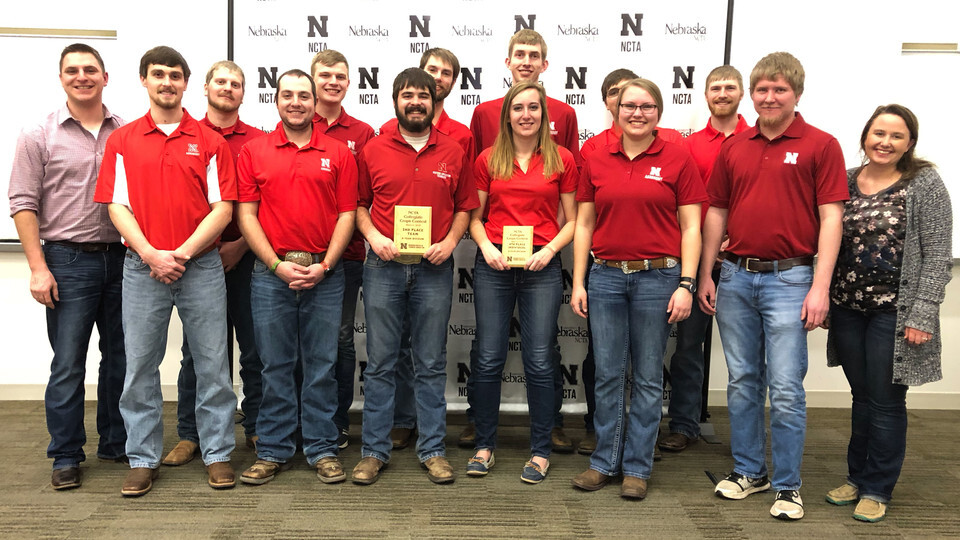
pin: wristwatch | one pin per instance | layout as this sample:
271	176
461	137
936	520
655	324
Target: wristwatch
689	284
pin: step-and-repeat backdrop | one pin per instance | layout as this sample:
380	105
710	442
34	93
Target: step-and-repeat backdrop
675	44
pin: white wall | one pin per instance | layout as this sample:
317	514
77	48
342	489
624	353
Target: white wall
852	61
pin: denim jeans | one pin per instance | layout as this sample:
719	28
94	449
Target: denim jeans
538	295
89	285
294	326
686	374
588	371
878	438
404	397
200	298
757	313
628	318
346	350
240	317
424	293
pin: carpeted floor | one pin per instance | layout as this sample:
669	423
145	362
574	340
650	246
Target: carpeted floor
404	504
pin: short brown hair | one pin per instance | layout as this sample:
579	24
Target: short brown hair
329	58
650	87
783	64
527	36
724	73
230	66
445	56
81	48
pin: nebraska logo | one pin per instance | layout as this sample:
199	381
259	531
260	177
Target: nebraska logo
654	174
441	171
553	129
791	158
325	164
352	145
193	149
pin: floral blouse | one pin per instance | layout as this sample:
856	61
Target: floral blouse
867	274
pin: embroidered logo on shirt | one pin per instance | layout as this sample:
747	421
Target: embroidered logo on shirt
325	164
654	174
441	171
553	128
352	145
193	149
791	158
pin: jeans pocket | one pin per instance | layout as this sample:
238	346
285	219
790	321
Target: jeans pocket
727	270
373	260
59	256
259	267
132	261
671	273
798	275
209	260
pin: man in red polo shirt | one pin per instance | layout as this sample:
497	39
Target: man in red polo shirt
298	200
526	60
224	90
416	166
331	75
777	190
170	185
444	67
723	92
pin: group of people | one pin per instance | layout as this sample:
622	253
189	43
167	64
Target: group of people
268	232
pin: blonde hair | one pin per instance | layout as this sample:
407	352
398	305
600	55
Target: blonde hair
500	164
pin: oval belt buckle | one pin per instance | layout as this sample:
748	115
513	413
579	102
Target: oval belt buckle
303	258
671	262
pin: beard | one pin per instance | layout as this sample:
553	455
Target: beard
223	106
723	110
414	126
442	93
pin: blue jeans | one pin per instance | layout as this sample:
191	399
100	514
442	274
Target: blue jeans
538	295
878	438
346	350
404	397
424	293
686	374
759	312
200	297
89	285
294	326
628	318
240	317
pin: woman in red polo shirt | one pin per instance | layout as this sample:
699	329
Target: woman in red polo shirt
522	180
639	213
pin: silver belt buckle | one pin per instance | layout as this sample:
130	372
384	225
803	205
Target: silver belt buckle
671	262
625	268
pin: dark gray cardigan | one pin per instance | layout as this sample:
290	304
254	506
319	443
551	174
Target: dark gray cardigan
927	260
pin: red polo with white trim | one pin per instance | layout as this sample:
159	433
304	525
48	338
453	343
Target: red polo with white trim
168	182
355	134
301	190
526	198
236	135
439	175
636	200
485	126
773	189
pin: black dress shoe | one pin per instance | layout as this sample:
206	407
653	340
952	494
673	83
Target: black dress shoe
68	478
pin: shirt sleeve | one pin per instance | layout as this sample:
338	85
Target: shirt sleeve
572	142
111	165
476	128
481	172
831	175
465	198
585	191
718	187
347	183
690	188
26	177
570	176
247	187
221	174
364	183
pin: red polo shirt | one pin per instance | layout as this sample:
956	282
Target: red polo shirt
704	145
612	135
526	198
485	125
301	190
168	182
439	175
772	189
446	125
355	134
236	135
637	200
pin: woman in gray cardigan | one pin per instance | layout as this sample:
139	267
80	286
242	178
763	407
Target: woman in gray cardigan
893	267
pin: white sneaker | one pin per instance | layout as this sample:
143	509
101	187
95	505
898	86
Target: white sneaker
736	486
788	505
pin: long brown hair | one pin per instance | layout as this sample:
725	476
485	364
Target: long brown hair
500	164
909	163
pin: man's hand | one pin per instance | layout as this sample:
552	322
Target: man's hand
165	266
232	252
306	277
707	294
439	252
383	247
815	307
43	287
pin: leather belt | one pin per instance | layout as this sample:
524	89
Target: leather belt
87	247
300	257
638	266
753	264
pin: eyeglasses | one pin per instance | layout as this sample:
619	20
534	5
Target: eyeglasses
646	108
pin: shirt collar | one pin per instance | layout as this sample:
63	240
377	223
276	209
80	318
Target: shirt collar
794	130
655	147
187	125
280	138
64	114
238	128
